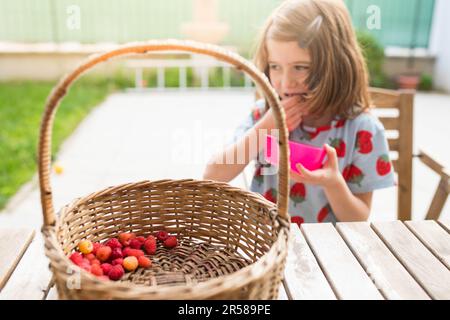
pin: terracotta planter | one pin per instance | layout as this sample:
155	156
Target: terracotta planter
408	82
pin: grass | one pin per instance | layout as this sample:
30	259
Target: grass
21	109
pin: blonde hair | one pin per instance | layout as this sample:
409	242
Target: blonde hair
337	79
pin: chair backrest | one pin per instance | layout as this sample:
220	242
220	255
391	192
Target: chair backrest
402	143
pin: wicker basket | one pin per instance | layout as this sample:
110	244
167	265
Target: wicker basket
233	243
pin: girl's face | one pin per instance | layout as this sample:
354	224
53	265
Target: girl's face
288	67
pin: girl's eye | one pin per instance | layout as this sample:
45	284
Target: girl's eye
273	67
301	68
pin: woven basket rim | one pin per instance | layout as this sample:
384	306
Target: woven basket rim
209	285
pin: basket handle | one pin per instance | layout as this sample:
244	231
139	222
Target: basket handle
58	92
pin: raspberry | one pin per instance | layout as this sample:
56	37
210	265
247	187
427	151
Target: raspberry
162	235
135	252
135	244
96	245
117	261
126	237
85	265
96	270
85	246
103	253
116	253
150	245
126	251
141	239
95	261
106	267
76	258
130	263
144	262
116	272
171	242
90	256
113	243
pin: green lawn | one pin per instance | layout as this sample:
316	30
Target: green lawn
21	108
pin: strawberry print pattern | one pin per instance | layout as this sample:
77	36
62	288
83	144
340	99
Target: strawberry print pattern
363	160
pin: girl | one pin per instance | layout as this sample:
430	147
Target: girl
309	52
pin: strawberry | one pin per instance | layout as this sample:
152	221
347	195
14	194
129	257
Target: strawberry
170	242
339	145
162	235
311	135
258	175
383	165
364	141
271	195
298	220
150	245
340	123
323	213
297	193
256	114
353	174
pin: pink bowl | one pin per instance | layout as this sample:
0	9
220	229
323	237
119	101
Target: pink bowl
310	157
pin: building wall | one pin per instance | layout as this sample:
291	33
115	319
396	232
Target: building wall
440	45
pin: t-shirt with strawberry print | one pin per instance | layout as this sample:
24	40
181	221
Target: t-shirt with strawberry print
363	157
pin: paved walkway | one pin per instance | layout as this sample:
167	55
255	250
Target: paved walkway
139	136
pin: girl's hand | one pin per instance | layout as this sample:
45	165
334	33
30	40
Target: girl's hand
326	177
294	108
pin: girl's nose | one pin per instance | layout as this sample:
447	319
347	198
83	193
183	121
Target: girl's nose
289	81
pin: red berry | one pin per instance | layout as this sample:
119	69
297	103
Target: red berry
103	253
76	258
135	244
96	261
106	267
117	261
171	242
116	272
96	245
144	262
116	253
90	256
126	237
141	239
113	243
96	270
150	245
86	265
126	251
135	252
162	235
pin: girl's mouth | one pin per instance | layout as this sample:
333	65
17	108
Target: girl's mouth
288	95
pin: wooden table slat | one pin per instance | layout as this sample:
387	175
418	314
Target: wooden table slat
13	244
31	277
428	271
434	237
304	278
342	269
389	275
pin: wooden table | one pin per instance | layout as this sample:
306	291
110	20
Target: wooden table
382	260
